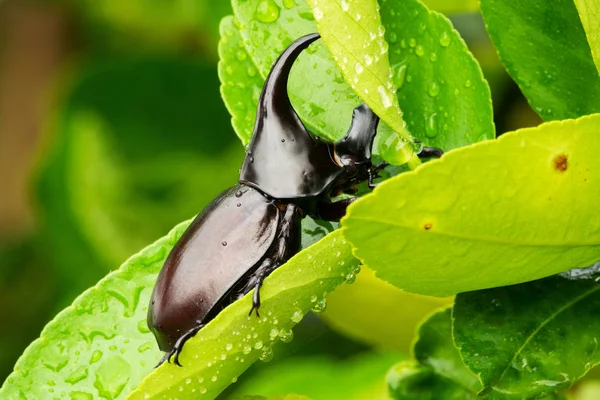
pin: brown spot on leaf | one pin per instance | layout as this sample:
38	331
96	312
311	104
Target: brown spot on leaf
427	227
561	163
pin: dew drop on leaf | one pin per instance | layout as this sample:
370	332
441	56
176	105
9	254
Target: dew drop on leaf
297	316
286	336
267	354
400	76
431	130
267	11
419	50
445	39
434	89
112	376
320	306
288	3
384	97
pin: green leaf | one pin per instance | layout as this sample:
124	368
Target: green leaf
241	83
410	380
324	378
287	397
230	343
500	212
317	89
442	92
374	316
100	346
452	6
438	372
353	34
531	339
589	13
544	48
435	348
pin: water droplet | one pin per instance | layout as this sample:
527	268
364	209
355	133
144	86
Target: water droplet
286	336
112	376
288	3
412	42
246	349
78	375
383	96
433	57
202	390
267	11
468	83
251	72
228	346
368	59
213	378
241	55
313	298
258	345
96	356
297	316
434	89
431	130
419	50
238	205
224	243
358	68
239	192
391	149
317	13
400	76
350	278
445	39
77	395
234	379
345	5
146	346
267	354
393	37
320	306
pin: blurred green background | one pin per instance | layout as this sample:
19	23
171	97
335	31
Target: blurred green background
112	130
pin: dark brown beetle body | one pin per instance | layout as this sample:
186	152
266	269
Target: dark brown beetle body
254	227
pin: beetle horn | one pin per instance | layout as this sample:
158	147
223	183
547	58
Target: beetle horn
359	139
274	101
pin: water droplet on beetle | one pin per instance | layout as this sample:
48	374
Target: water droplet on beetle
320	306
238	204
238	193
224	243
267	11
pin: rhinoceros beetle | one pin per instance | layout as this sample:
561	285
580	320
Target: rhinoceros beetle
252	228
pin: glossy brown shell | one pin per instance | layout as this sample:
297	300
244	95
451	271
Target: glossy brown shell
221	246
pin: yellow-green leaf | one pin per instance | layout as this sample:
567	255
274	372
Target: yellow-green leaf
354	35
496	213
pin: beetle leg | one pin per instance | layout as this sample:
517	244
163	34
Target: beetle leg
374	173
176	350
334	211
281	254
431	152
